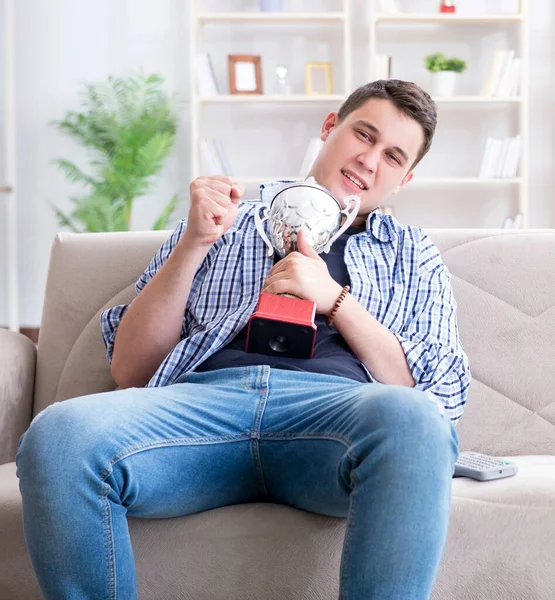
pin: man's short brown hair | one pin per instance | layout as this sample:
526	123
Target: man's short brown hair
407	97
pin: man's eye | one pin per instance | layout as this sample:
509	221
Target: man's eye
364	135
393	157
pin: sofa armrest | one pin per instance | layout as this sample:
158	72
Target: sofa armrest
18	357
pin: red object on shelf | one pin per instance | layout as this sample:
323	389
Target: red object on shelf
447	6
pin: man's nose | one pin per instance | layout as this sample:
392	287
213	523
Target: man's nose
369	159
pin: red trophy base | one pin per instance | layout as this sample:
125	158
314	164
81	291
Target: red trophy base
282	326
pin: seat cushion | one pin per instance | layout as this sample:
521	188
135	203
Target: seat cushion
500	546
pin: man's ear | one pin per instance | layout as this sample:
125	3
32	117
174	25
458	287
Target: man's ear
329	123
404	182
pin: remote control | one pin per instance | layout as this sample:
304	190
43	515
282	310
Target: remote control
483	467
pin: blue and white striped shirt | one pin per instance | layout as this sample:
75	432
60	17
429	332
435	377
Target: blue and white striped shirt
396	273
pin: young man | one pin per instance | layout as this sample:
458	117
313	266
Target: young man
364	429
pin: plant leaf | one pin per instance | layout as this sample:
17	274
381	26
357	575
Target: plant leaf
162	221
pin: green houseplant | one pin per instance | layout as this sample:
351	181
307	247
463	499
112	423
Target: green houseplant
444	71
128	125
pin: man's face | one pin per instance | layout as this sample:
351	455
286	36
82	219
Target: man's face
375	145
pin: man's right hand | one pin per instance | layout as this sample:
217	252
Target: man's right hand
214	202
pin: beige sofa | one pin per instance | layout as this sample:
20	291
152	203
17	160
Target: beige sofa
501	542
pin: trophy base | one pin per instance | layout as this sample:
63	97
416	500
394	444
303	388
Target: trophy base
282	326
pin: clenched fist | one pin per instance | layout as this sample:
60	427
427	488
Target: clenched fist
214	202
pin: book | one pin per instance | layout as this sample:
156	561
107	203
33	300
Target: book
382	67
210	161
486	158
503	83
513	158
226	167
314	146
500	166
491	82
388	6
205	77
515	77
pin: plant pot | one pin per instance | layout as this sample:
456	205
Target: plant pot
444	83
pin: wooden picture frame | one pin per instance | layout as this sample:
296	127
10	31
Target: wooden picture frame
318	79
245	74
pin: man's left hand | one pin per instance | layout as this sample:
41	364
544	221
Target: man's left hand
305	275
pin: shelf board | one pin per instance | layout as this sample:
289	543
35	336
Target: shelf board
240	98
464	181
477	99
417	181
446	18
270	17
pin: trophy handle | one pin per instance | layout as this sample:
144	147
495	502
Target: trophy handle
259	223
351	212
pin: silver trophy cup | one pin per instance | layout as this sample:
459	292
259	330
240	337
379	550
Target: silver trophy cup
308	206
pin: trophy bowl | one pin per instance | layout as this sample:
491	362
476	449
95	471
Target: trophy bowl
308	206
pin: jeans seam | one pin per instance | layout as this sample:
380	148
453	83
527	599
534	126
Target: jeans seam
347	541
129	451
256	433
321	435
109	537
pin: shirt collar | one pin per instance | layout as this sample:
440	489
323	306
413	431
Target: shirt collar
377	223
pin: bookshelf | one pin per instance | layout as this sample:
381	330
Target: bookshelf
198	19
7	158
508	186
519	19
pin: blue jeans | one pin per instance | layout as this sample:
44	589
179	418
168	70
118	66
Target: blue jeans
383	456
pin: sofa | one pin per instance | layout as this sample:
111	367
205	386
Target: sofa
501	539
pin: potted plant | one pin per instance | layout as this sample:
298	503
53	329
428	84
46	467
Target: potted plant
444	72
128	124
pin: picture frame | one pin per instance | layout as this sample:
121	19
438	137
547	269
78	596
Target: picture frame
318	78
245	74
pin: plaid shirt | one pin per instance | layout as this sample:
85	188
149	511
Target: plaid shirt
396	273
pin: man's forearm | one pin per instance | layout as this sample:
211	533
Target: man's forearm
151	327
373	344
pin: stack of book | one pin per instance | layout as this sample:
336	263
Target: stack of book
501	157
504	75
314	146
214	159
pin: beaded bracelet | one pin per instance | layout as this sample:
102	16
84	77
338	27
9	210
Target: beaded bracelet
337	304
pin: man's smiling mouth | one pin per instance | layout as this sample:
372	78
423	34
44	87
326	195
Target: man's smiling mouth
356	180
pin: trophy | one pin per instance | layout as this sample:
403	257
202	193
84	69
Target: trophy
283	325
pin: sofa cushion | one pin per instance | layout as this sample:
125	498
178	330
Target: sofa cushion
280	553
503	283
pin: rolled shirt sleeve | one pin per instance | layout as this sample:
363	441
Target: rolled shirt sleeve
430	339
111	318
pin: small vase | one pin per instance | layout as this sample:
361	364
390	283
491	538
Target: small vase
447	6
444	83
271	5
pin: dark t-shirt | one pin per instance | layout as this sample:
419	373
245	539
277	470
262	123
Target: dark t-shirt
331	356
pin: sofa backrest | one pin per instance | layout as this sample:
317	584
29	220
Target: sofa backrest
504	284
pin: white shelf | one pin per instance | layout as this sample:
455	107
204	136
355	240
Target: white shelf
476	99
417	181
240	98
449	19
450	181
263	17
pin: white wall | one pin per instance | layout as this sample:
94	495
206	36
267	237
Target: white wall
62	43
